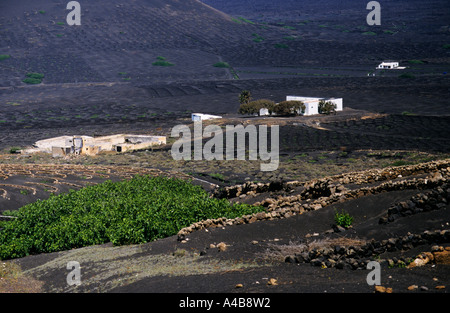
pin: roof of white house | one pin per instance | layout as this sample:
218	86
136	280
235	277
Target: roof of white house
205	116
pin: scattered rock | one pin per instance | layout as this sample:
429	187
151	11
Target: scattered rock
316	262
424	288
422	259
272	282
437	248
413	287
239	286
338	229
440	287
381	289
290	259
442	256
302	257
222	246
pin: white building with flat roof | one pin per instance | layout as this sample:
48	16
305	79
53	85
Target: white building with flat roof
312	103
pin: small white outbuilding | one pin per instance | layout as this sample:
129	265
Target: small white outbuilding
202	117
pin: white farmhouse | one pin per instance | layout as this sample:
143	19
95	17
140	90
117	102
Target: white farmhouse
389	65
312	103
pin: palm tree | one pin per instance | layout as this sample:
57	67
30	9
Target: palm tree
245	97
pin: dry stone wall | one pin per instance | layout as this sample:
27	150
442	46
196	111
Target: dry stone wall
354	257
318	193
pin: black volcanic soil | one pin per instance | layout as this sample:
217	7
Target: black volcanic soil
419	107
254	242
99	80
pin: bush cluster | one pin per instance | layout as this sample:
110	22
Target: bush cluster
128	212
34	78
289	108
161	61
253	107
282	108
326	107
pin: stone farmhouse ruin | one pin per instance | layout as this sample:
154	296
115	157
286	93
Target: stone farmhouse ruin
86	145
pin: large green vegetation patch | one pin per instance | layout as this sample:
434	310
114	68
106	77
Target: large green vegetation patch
128	212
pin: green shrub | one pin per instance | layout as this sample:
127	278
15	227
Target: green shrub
14	150
343	219
281	46
162	63
35	75
326	107
222	64
236	20
401	163
257	38
289	108
253	107
33	81
4	57
133	211
241	20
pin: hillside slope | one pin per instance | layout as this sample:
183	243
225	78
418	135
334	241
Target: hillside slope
118	42
115	42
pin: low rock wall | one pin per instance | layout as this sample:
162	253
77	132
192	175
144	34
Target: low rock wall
319	193
358	257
